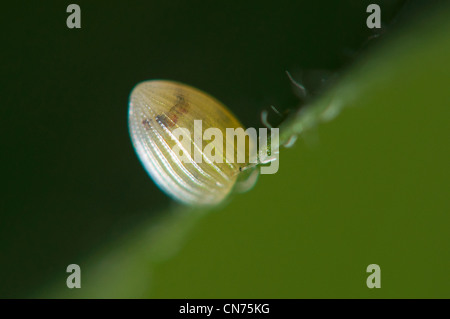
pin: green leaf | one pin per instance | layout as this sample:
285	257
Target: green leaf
366	183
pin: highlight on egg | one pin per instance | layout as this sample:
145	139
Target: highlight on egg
185	139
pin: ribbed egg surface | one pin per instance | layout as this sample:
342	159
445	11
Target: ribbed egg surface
156	109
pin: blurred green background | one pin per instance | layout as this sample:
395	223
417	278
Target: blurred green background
371	186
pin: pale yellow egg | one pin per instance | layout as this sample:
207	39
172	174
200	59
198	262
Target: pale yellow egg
156	109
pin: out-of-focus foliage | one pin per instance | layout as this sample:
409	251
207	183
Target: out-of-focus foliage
368	187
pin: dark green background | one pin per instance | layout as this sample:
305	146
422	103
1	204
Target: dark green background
73	187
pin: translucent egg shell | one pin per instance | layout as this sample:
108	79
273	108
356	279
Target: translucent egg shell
156	108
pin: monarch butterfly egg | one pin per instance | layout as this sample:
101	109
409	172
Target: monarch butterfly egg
156	109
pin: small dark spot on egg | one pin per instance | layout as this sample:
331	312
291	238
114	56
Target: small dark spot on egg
167	121
181	106
180	98
146	123
174	119
161	119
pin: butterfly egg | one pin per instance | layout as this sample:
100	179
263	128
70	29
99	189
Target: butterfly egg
157	108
